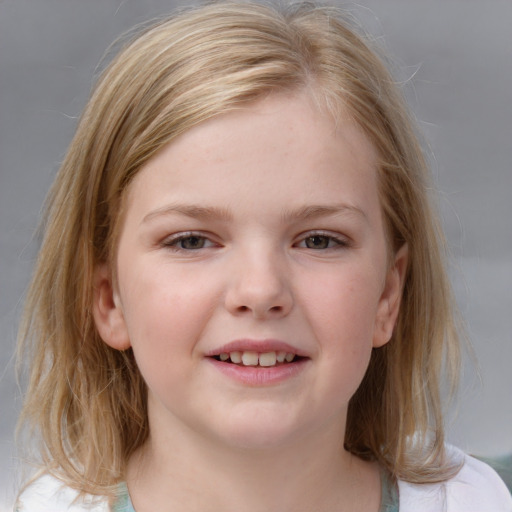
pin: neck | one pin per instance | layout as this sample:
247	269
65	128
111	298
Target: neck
189	472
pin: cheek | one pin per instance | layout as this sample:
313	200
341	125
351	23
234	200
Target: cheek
154	296
164	314
342	312
344	305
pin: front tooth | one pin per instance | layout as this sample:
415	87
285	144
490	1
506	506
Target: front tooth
236	357
268	359
281	356
250	358
289	357
224	356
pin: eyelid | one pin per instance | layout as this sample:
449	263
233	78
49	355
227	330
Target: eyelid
172	241
341	241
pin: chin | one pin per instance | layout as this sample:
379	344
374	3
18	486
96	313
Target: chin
260	432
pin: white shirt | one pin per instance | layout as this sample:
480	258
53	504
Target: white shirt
475	488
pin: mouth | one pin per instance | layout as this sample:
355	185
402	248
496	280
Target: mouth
259	362
258	359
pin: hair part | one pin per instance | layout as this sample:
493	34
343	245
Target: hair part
86	400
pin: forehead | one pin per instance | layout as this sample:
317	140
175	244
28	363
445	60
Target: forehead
263	135
276	155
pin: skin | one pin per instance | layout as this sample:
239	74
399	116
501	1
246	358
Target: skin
288	243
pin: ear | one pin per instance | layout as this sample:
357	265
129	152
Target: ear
107	310
389	303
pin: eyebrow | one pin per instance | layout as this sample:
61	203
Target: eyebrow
190	210
315	211
223	214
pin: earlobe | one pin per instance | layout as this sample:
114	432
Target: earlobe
107	310
389	304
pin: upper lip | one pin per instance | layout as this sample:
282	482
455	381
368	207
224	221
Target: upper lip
260	346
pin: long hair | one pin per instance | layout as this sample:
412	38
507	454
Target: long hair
86	401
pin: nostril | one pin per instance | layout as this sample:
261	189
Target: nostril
273	309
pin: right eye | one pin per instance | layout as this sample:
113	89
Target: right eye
188	242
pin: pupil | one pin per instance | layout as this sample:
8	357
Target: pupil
192	242
317	242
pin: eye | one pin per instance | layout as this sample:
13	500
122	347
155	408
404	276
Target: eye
319	241
188	242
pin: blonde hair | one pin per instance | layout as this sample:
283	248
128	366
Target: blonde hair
86	400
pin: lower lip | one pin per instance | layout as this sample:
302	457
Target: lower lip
258	375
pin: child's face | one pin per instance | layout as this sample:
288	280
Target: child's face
258	232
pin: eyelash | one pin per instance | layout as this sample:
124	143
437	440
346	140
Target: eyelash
333	242
339	242
174	241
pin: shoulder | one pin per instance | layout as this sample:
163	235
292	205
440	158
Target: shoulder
475	488
48	494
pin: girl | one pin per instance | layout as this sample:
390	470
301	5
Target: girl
240	301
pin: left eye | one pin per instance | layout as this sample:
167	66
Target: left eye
319	242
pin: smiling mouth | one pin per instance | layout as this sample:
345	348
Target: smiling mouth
261	359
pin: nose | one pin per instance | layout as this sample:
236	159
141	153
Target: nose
259	287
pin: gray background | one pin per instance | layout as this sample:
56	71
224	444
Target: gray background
455	58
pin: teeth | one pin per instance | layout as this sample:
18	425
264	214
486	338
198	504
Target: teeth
268	359
251	358
236	357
